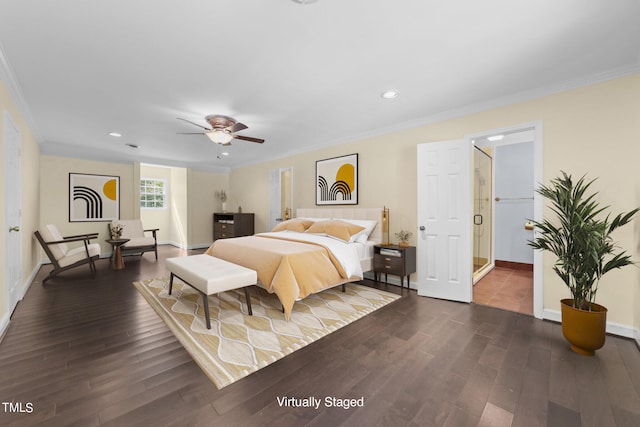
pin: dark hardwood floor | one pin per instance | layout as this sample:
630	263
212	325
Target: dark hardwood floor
93	353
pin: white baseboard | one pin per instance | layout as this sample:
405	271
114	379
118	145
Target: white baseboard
6	319
614	328
637	337
4	325
30	279
185	247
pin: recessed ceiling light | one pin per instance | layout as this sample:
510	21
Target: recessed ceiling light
390	94
132	145
225	153
115	134
304	1
495	137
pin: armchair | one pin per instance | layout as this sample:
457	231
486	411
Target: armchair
138	242
62	257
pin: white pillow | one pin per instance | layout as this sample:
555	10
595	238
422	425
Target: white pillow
362	236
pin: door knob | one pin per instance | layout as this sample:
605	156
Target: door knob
422	228
14	228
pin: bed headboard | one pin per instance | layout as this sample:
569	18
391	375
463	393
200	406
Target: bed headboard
374	214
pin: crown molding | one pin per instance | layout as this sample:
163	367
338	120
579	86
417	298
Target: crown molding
575	83
11	83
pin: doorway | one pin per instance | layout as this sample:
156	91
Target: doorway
13	203
508	283
445	215
280	195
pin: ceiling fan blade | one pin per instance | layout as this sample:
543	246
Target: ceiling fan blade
248	138
190	133
195	124
237	127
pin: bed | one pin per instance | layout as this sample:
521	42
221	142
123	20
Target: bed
309	253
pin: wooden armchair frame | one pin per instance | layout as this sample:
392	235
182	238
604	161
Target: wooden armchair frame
57	268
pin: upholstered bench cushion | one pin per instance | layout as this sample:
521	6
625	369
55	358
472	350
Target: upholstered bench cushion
211	275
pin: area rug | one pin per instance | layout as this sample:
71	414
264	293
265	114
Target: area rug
238	344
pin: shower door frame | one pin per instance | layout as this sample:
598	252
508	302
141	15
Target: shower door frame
488	266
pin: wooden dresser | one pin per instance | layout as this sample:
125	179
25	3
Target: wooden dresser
226	225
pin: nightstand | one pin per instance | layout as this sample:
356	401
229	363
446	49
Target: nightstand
396	260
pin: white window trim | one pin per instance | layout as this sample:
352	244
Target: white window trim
165	194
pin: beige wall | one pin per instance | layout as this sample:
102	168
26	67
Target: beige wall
179	209
202	204
54	200
30	170
158	218
577	125
188	221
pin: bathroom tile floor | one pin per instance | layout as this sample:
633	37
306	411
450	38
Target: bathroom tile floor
507	289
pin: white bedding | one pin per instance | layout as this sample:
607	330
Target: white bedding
364	251
347	254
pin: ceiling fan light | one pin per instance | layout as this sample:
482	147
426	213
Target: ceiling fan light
219	136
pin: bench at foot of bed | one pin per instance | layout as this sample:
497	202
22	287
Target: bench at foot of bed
209	275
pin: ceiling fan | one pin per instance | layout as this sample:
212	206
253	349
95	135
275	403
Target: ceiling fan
223	130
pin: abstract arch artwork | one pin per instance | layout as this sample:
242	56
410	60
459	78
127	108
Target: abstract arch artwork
337	181
93	197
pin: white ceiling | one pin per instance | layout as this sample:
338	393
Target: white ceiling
300	76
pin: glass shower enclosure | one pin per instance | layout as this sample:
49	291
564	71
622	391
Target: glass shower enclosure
482	213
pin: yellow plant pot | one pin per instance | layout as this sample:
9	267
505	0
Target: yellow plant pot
585	330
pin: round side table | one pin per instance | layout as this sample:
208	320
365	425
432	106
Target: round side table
117	261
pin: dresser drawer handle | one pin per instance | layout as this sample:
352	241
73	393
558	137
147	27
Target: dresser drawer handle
387	259
224	226
387	267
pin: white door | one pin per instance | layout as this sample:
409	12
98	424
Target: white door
445	220
12	211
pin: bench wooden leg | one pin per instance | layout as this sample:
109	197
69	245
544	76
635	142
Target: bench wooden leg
170	283
205	300
248	298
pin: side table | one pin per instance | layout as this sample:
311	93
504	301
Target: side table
117	262
396	260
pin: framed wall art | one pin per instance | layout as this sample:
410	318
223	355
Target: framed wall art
93	197
337	180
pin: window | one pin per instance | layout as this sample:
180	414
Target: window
153	193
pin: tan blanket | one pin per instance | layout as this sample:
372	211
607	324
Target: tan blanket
288	268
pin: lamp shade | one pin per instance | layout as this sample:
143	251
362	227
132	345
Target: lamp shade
219	136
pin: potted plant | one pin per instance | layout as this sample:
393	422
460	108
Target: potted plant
404	236
222	196
116	231
580	238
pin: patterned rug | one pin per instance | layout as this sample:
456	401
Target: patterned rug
238	344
